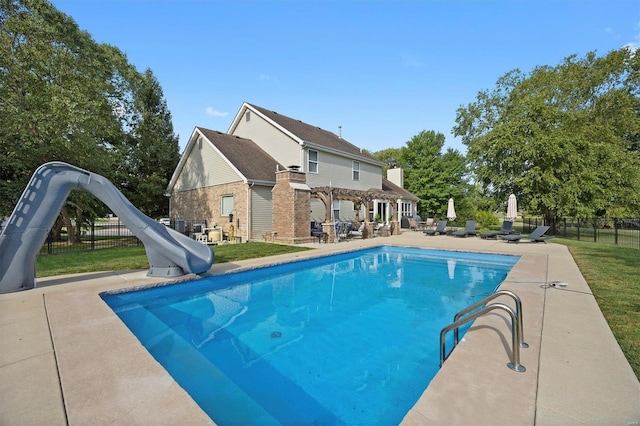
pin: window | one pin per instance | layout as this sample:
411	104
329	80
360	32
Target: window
247	116
406	209
226	207
313	161
336	209
356	170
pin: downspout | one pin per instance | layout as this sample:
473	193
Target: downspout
248	209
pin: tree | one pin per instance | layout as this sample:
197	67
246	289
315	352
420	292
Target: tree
57	91
431	175
152	149
390	156
563	138
65	97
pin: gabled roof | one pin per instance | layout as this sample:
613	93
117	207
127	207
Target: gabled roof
312	134
244	155
389	186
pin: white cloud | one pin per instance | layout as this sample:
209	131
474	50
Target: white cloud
215	113
269	78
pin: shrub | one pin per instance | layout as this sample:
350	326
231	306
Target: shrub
486	219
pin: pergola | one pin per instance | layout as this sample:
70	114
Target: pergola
326	194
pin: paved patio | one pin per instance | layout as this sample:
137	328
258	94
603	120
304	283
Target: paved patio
66	358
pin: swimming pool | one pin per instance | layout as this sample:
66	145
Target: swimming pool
344	339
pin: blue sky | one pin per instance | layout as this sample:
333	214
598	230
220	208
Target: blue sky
382	70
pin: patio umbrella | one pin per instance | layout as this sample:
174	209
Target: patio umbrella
512	208
451	211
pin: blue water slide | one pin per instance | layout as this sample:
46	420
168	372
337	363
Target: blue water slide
169	252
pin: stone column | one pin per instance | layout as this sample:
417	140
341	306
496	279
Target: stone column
395	225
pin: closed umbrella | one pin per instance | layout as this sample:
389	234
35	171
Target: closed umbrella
512	208
451	211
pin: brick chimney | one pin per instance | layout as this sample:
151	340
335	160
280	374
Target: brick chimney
291	198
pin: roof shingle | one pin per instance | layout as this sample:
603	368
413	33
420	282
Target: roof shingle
313	134
245	155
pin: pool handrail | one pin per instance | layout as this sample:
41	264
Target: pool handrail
518	311
515	337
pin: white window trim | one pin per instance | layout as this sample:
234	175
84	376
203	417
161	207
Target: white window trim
355	170
310	161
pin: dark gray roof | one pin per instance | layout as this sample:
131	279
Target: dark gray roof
316	135
387	185
250	160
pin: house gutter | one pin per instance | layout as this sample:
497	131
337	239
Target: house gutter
363	159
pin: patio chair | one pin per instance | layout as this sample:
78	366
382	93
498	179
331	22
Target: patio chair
357	232
537	236
381	230
506	229
342	230
440	229
469	229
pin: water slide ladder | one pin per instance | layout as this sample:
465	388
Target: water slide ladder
470	313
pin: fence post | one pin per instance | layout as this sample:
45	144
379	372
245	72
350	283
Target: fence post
615	232
564	221
578	220
50	242
595	229
93	235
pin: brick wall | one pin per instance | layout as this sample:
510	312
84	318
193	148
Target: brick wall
205	204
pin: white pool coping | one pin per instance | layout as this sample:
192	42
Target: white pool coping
66	358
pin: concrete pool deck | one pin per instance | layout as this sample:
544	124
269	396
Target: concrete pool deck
66	358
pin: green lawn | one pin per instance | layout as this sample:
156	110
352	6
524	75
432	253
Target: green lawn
118	259
613	273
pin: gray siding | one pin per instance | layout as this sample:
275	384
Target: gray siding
261	211
279	145
337	170
204	167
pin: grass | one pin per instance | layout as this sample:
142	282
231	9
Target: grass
613	274
119	259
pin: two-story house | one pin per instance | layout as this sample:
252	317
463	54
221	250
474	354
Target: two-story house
232	178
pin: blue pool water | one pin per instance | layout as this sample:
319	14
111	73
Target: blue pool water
344	339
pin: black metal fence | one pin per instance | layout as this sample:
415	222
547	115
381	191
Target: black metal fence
104	234
620	232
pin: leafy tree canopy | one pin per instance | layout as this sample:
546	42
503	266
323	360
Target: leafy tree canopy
152	149
65	97
431	175
564	139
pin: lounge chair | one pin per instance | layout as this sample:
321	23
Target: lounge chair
469	229
440	229
537	236
506	229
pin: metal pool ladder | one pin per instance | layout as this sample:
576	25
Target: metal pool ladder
466	315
